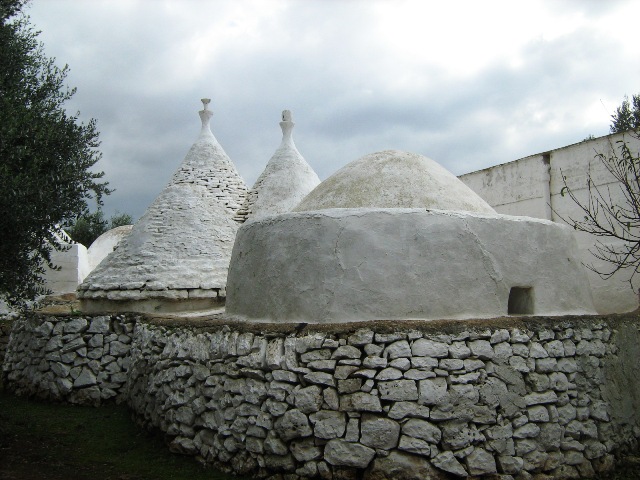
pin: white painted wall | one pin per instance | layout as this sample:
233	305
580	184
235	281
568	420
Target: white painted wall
74	266
532	186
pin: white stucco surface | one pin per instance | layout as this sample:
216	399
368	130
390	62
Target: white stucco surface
394	179
532	186
74	267
285	181
105	244
340	265
179	250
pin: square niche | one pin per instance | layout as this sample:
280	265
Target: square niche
520	301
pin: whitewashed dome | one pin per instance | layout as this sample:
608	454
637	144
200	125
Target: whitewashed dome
285	181
177	255
394	179
370	243
105	244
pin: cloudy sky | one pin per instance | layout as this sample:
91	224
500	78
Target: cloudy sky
468	83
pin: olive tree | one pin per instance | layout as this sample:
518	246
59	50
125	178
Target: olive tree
46	157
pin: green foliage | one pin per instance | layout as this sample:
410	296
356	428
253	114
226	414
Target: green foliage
120	219
627	116
46	157
90	226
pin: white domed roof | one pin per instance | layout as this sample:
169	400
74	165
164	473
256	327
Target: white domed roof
105	244
394	179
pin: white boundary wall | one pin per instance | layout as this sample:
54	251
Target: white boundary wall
532	186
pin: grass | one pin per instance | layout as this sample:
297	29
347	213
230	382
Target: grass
55	442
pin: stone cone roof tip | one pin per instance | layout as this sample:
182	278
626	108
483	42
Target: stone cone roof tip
181	247
285	181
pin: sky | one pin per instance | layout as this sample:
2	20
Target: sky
467	83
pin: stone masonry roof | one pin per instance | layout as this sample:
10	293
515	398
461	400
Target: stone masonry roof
180	248
285	181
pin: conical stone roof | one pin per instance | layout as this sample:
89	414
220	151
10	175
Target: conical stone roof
285	181
177	255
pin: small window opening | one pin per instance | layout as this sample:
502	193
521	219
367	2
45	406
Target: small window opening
520	301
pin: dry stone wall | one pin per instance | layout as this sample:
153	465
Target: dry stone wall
409	400
75	359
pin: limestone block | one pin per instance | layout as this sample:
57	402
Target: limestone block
119	349
389	337
401	410
86	378
353	430
459	350
424	362
274	354
402	364
365	373
309	399
284	376
373	350
375	362
389	374
457	435
280	462
480	462
293	424
546	365
482	349
400	465
339	452
346	351
379	432
540	398
305	450
451	364
60	369
422	429
328	424
528	430
71	345
399	349
350	385
331	398
322	365
344	371
360	402
417	374
538	413
44	329
447	462
274	446
428	348
314	355
416	446
308	342
320	378
360	337
432	391
398	390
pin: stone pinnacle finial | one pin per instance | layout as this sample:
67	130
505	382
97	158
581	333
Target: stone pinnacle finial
287	126
205	114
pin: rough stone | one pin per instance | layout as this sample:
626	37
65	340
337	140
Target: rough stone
293	424
339	452
400	465
379	432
